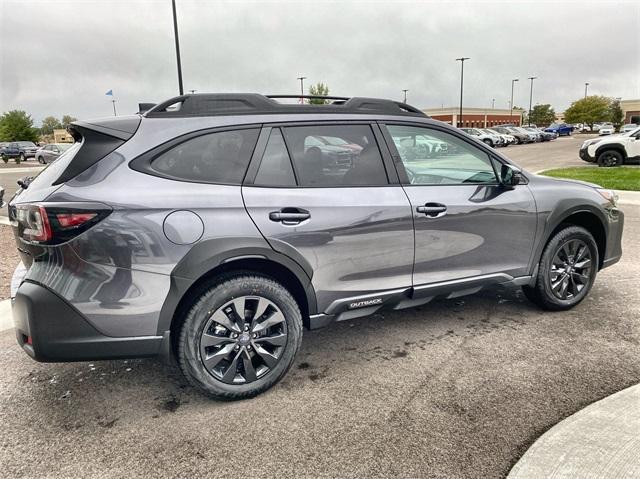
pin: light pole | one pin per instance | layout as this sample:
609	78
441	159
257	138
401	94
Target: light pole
530	98
302	79
192	91
586	86
175	33
511	103
493	103
405	95
461	60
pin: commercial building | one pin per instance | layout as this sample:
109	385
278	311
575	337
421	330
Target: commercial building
631	111
62	136
475	117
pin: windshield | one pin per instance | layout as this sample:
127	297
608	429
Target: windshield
26	143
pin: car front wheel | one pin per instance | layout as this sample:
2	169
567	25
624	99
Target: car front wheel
567	270
610	158
240	337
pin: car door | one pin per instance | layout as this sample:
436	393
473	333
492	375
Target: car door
339	210
467	225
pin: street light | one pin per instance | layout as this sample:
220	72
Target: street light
493	103
461	60
531	98
586	85
405	95
175	33
511	103
302	79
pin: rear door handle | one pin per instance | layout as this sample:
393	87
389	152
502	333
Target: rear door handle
289	216
432	210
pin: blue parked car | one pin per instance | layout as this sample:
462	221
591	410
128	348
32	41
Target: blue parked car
560	128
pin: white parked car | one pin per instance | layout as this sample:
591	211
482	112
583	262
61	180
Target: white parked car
628	127
487	138
606	130
614	150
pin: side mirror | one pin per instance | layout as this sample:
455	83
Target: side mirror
510	176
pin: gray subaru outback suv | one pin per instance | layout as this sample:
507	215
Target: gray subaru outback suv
213	228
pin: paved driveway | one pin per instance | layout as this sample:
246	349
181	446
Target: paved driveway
455	388
559	153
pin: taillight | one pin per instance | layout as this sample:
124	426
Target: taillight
35	223
54	224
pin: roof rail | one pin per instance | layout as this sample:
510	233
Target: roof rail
219	104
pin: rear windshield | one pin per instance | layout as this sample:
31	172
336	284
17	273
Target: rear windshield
53	170
26	143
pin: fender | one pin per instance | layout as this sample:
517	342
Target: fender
211	253
611	146
557	217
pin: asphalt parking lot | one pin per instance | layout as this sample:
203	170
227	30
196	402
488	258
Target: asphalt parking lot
456	388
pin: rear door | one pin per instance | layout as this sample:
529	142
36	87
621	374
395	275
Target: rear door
324	195
466	224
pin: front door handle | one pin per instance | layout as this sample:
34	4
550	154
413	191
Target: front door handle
432	210
289	216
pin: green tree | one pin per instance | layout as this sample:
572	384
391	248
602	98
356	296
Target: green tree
616	115
49	124
319	89
589	110
16	125
67	120
542	115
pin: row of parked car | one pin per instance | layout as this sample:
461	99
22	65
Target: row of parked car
505	135
23	150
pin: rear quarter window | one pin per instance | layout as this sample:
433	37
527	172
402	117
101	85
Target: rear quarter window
220	157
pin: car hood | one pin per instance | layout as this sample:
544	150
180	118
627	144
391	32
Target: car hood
566	180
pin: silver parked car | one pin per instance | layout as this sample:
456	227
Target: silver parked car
210	229
51	152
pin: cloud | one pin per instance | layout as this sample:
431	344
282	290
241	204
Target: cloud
59	57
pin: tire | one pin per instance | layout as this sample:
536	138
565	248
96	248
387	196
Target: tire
21	157
610	158
40	160
566	246
249	364
488	142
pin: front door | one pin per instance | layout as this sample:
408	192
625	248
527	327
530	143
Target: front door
466	224
322	195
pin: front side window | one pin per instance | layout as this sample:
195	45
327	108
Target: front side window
220	157
433	157
335	155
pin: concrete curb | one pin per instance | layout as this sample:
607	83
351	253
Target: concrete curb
6	316
601	440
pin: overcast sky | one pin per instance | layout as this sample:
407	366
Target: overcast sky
60	57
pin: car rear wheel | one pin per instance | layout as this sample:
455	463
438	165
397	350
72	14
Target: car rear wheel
240	337
567	270
610	158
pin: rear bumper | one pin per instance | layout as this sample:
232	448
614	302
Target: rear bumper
49	329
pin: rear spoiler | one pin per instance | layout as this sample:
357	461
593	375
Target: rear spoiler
145	107
98	138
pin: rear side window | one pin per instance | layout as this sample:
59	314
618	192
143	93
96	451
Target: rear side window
275	168
220	157
335	155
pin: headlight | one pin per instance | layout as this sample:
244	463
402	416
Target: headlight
609	195
591	142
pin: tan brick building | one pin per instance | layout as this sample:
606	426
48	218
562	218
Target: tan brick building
62	136
475	117
631	111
